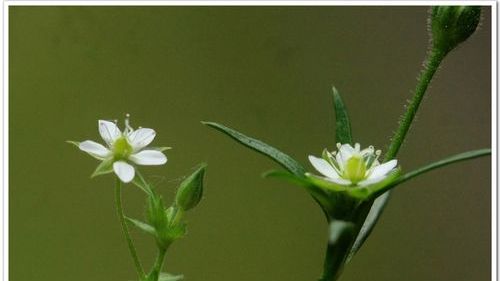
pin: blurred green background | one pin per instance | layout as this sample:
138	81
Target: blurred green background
265	71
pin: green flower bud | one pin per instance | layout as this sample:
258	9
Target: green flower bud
452	25
191	190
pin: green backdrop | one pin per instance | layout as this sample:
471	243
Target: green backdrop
266	71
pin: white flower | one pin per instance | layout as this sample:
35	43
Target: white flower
352	166
123	149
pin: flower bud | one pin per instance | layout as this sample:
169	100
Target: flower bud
191	190
451	25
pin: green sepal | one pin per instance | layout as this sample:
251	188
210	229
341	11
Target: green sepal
164	276
452	25
279	157
105	167
142	226
326	184
342	124
372	191
155	212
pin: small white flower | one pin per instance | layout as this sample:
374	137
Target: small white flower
352	166
123	149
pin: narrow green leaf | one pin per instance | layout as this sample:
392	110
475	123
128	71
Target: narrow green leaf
379	204
449	160
370	221
141	225
288	177
279	157
324	199
342	123
105	167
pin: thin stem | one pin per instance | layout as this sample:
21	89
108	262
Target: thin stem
155	273
431	65
126	233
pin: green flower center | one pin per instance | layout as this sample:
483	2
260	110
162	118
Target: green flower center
355	169
121	148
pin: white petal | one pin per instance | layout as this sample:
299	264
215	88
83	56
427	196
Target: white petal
124	171
370	181
95	149
109	131
149	157
382	170
340	181
323	167
140	138
345	152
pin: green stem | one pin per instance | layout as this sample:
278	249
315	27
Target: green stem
126	233
332	264
155	273
431	65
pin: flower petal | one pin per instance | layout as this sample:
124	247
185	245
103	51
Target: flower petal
346	151
383	169
340	181
95	149
370	181
149	157
323	167
124	171
140	138
109	131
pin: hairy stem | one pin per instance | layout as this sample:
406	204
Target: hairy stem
430	67
126	233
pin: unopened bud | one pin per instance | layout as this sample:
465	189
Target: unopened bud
191	190
451	25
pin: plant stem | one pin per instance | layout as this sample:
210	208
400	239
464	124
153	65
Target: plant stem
431	65
155	273
126	233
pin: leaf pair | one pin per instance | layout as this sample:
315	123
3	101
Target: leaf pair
322	190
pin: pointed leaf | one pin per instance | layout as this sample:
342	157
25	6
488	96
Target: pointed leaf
319	195
279	157
342	124
449	160
141	225
379	204
105	167
288	177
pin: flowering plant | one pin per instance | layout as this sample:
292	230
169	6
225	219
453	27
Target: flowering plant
355	183
124	151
